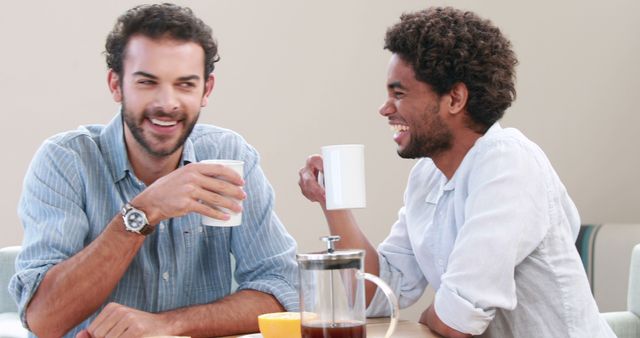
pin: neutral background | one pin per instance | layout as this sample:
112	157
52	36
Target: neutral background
296	75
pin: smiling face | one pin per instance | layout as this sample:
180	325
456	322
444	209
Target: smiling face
415	113
161	90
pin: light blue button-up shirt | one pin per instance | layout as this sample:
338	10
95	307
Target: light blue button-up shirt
79	180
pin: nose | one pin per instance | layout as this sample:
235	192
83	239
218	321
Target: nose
166	99
387	108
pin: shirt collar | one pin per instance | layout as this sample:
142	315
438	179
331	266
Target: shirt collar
188	152
433	195
495	127
115	151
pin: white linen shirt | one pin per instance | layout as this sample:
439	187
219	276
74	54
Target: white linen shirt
496	242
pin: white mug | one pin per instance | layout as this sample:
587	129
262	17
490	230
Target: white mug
236	218
344	181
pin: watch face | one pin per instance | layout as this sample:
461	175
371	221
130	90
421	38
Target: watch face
135	220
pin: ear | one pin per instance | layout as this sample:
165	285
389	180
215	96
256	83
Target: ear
459	96
208	88
113	81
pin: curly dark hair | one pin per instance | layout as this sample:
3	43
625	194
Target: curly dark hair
446	46
157	21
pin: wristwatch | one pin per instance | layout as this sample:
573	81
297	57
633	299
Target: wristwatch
135	220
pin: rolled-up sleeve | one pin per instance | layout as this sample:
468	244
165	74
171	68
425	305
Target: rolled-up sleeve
264	250
55	225
399	268
459	313
506	217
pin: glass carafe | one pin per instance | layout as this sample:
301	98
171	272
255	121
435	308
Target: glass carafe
332	294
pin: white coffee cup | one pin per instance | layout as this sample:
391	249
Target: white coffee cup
344	181
236	218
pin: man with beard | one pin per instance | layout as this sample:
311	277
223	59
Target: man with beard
486	220
85	270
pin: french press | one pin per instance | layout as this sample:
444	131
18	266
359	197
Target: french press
332	297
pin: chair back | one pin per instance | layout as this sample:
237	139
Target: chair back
586	248
7	269
633	297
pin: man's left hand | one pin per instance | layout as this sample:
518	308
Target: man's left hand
117	320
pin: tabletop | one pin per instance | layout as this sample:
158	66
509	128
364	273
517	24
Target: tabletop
377	327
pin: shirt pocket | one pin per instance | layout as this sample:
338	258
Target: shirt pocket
212	231
199	238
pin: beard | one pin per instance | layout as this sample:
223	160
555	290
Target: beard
428	138
135	126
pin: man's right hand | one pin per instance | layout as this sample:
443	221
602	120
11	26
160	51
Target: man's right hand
196	187
308	181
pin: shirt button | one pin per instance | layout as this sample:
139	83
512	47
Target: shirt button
440	262
165	276
161	226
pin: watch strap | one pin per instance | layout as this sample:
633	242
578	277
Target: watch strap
146	229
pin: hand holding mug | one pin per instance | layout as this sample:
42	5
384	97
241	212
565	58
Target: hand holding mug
235	214
196	187
308	180
336	180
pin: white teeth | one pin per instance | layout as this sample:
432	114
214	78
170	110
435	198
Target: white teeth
163	123
398	128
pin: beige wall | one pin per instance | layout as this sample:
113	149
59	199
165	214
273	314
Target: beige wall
296	75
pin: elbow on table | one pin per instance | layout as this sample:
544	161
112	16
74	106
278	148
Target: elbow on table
448	332
430	319
457	334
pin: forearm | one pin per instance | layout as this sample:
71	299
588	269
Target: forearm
342	223
234	314
431	319
74	289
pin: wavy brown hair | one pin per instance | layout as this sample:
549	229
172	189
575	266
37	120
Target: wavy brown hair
157	21
446	46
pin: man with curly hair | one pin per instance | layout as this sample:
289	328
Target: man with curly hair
114	243
486	220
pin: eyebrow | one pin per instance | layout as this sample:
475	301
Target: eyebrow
189	78
182	78
395	85
145	74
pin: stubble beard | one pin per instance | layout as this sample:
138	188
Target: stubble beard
138	133
430	138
